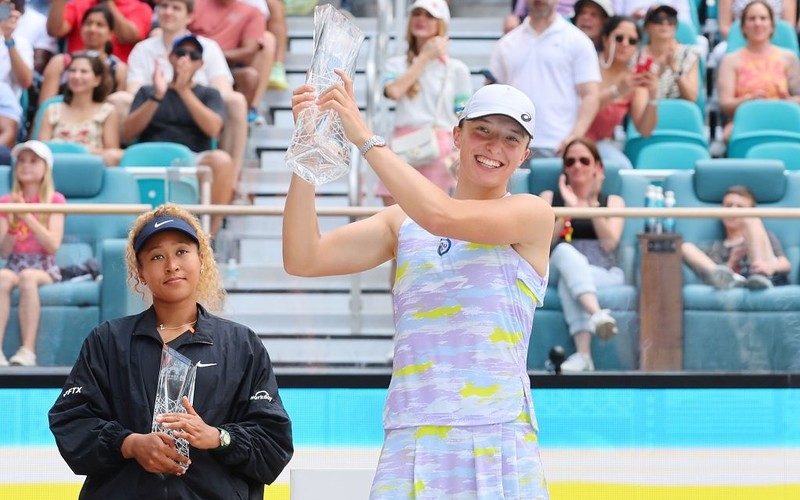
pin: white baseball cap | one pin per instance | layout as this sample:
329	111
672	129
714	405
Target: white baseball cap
498	99
38	148
605	5
436	8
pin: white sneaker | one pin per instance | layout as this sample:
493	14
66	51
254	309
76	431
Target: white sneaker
23	357
3	360
758	282
605	326
722	277
578	362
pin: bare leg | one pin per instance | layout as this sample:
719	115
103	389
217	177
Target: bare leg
29	304
233	138
759	247
225	176
122	101
8	280
277	26
263	64
697	259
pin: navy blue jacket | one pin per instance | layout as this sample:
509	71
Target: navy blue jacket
110	393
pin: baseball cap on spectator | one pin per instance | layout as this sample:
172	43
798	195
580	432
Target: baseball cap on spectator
605	6
38	148
190	38
163	223
656	9
499	99
436	8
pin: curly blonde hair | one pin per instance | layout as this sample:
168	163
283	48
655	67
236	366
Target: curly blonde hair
413	51
210	292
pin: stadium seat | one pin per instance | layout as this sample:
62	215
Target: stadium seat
150	163
787	152
763	121
550	328
739	329
679	120
785	36
37	122
71	309
67	147
671	156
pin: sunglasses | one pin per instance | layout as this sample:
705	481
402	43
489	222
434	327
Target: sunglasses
194	55
663	18
585	161
631	40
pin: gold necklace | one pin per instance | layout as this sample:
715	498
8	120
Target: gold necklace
190	324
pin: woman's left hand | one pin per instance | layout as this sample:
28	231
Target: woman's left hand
648	80
191	427
339	97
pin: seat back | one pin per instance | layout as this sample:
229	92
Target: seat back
671	155
37	121
66	147
161	187
787	152
83	178
705	187
785	36
679	120
763	121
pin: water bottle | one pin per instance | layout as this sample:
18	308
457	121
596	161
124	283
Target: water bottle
659	226
669	221
650	202
231	273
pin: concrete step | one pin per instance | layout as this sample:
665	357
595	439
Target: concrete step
274	181
269	276
334	350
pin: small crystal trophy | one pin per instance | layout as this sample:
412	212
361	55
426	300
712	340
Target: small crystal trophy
175	380
319	151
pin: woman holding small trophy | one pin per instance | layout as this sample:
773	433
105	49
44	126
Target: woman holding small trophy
236	429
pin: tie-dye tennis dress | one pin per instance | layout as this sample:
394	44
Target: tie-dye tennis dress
459	416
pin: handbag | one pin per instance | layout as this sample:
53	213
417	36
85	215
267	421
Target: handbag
420	147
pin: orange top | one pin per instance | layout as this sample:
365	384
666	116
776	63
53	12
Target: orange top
762	72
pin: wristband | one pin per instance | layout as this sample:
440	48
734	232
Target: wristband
10	43
653	102
156	99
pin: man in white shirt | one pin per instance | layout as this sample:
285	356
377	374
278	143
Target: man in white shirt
16	55
32	25
556	65
173	18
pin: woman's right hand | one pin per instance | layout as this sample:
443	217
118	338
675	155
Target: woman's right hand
303	97
435	48
155	452
339	97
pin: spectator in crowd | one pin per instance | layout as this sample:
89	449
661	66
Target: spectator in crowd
583	258
97	26
184	112
85	117
678	64
637	9
520	12
16	55
132	21
730	10
591	16
238	433
173	21
429	87
250	50
28	243
10	115
759	70
559	72
749	256
624	90
32	25
276	24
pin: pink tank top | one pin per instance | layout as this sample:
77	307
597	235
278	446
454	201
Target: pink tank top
608	118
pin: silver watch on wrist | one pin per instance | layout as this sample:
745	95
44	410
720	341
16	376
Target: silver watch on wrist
374	141
224	439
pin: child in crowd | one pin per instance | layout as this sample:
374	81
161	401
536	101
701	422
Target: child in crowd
29	242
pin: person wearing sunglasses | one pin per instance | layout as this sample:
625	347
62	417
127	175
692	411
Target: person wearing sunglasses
677	63
583	258
625	90
187	113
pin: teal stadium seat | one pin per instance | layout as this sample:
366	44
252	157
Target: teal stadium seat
763	121
671	156
153	186
67	147
679	120
787	152
71	309
550	328
785	36
37	121
739	329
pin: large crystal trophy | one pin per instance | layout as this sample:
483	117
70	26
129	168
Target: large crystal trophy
175	380
319	151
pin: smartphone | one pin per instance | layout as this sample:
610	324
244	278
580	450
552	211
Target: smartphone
5	11
643	63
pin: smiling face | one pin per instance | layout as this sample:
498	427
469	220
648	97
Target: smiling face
29	168
623	40
662	26
580	164
81	76
590	20
169	262
422	26
95	32
173	16
492	147
757	22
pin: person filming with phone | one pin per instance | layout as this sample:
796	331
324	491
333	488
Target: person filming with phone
624	90
16	54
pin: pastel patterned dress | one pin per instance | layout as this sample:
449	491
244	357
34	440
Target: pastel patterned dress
459	416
